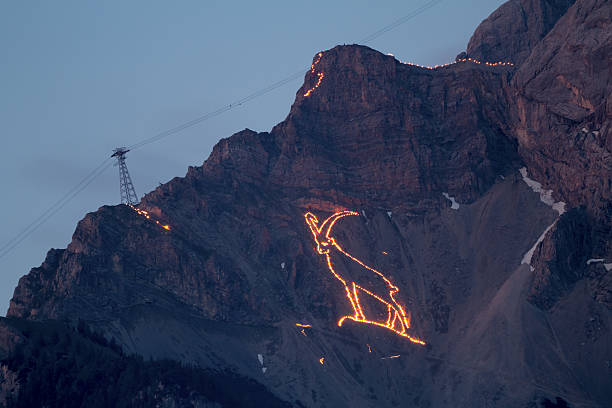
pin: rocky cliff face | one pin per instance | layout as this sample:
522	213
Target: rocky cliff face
428	160
514	29
563	100
562	93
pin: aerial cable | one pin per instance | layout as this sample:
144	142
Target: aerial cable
399	21
277	84
218	111
52	210
44	214
6	248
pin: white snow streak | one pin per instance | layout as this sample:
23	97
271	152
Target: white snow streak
282	265
608	266
545	195
260	358
389	213
527	257
546	198
454	204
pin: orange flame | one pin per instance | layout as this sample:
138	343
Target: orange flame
472	60
397	319
145	214
322	360
320	75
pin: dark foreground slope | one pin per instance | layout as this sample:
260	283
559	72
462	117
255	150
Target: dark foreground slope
52	365
511	315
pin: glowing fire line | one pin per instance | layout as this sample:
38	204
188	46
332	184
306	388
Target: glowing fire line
472	60
145	214
320	75
325	245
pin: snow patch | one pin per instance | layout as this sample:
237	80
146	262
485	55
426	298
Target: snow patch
608	266
454	204
546	198
282	265
545	195
527	257
389	214
260	358
363	213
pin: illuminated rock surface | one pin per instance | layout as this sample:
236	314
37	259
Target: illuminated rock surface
369	134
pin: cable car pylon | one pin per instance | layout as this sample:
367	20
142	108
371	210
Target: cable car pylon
126	187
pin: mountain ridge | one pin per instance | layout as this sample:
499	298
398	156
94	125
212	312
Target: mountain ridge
239	268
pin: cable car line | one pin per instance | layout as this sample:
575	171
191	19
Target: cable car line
59	204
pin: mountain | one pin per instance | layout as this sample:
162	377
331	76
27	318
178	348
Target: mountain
467	252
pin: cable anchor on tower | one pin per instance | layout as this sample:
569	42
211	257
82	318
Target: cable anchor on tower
126	187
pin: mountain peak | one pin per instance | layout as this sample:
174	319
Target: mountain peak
436	235
515	28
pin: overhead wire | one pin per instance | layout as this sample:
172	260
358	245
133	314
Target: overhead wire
34	225
53	209
277	84
216	112
399	21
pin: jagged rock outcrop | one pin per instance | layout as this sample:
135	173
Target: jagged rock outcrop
238	267
561	260
512	31
562	95
379	132
10	338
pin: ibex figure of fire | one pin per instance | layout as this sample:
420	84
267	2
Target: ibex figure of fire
346	267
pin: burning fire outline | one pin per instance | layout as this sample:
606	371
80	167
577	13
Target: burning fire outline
145	214
319	74
472	60
325	244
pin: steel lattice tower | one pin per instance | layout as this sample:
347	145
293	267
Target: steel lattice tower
126	187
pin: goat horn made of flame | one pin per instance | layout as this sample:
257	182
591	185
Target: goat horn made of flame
331	220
